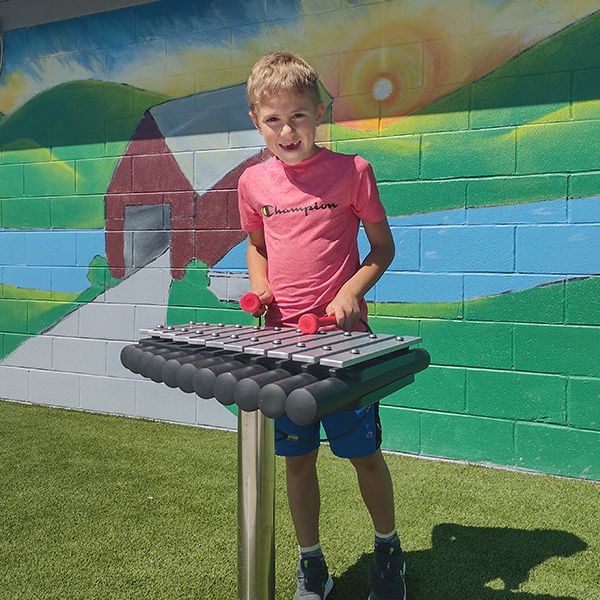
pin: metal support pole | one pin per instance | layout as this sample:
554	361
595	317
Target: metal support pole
256	506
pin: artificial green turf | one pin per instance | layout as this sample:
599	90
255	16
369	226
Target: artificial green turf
94	506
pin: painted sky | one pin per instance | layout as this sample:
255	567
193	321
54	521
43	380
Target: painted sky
394	57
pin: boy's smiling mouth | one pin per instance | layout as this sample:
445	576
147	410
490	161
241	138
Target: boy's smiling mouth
290	147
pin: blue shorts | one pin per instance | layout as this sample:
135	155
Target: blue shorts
350	433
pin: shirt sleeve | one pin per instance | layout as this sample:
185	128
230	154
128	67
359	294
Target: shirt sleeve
365	196
250	219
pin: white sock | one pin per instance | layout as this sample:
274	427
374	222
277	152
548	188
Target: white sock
311	551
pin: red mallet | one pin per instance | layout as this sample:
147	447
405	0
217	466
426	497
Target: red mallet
251	303
310	323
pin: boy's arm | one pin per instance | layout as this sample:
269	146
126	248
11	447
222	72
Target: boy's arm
256	259
346	304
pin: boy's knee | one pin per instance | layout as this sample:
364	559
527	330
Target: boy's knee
371	462
301	465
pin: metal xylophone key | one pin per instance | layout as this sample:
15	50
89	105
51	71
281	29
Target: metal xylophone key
169	368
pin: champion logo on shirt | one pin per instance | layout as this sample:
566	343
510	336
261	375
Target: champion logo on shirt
269	210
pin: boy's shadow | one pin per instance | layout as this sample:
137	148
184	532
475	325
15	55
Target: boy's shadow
471	563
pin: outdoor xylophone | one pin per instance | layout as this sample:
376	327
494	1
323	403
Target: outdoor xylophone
268	372
277	370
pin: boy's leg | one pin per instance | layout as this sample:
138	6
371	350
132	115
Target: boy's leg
377	490
314	582
356	435
303	497
375	483
300	446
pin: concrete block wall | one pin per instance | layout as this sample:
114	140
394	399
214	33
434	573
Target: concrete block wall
123	133
76	362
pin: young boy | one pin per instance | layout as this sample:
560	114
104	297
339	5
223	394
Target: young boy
301	210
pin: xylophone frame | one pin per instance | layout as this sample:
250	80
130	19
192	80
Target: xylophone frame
256	506
256	433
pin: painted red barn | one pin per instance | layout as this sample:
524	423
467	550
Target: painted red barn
176	184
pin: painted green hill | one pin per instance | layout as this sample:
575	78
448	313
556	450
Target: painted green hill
540	304
74	121
553	327
511	137
27	312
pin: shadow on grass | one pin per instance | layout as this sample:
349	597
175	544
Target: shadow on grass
470	563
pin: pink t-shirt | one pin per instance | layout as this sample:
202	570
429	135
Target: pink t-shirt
310	213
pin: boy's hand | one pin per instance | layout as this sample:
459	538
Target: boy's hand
346	308
266	297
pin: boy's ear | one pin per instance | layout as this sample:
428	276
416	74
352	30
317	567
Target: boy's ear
320	112
254	119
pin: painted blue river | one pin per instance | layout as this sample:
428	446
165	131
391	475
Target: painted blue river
54	260
442	256
466	253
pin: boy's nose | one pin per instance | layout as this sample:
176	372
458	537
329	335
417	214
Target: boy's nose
287	128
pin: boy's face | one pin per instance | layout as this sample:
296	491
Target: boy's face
288	124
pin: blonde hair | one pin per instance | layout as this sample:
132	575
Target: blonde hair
281	73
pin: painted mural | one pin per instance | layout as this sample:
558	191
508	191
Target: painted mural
123	135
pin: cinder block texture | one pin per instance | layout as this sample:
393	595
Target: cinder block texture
467	437
118	205
516	396
212	413
436	388
402	429
159	402
567	350
11	180
445	155
574	248
107	394
114	368
15	383
35	353
472	344
583	403
558	450
468	249
408	198
108	321
79	355
54	388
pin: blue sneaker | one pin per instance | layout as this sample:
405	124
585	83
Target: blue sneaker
387	573
314	582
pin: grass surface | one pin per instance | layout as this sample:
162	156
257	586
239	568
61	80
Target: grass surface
94	506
